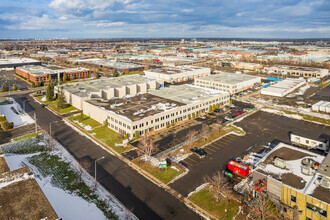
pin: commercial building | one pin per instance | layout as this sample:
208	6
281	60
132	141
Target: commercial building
297	71
247	66
296	180
283	88
15	62
178	74
40	73
154	110
321	106
122	67
230	82
179	61
105	89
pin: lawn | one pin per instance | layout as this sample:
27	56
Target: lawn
205	199
24	137
86	120
165	176
67	107
99	131
325	84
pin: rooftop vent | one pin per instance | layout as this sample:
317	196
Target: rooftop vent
167	104
142	110
279	162
306	170
325	182
173	104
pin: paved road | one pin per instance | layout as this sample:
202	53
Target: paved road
6	136
147	200
260	127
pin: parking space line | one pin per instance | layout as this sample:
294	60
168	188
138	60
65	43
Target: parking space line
214	147
210	149
188	163
226	141
196	156
189	158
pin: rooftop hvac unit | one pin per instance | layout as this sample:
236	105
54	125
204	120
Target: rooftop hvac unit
306	170
325	182
142	110
167	104
279	162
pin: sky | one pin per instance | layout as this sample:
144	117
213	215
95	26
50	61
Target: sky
164	19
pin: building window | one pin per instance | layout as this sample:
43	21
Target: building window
316	209
307	218
293	199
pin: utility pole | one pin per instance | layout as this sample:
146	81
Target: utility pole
35	122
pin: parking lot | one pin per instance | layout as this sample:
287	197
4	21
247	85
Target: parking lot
9	77
172	136
260	127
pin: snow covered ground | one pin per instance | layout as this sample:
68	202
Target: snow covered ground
66	204
86	127
14	113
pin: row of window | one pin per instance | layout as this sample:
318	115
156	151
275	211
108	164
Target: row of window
311	207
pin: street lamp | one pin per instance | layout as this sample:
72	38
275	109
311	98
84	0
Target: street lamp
95	166
50	127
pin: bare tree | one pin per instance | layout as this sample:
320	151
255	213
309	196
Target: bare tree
219	125
146	146
218	184
191	138
262	208
85	165
205	132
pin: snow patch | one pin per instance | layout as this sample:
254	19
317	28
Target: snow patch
14	113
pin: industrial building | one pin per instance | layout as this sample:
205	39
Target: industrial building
154	110
15	62
321	106
283	88
297	181
296	71
178	74
179	61
40	73
106	89
230	82
122	67
247	66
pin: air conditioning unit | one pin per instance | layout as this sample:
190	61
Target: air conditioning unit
325	182
307	170
279	162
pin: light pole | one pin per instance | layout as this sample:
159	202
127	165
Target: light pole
95	166
50	127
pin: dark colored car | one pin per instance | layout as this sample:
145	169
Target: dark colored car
211	113
199	152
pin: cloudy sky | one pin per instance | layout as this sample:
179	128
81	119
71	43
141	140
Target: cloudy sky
164	18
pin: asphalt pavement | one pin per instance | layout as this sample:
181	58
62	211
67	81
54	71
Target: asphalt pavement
145	199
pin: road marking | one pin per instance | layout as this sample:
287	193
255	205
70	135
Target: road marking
210	149
188	163
196	156
226	141
189	158
218	148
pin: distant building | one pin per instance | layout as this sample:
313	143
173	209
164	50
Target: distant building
248	66
284	87
40	73
296	180
178	73
230	82
321	106
297	71
16	62
122	67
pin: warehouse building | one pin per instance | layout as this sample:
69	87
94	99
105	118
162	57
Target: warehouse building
247	66
230	82
296	180
283	88
106	89
179	61
40	73
296	71
122	67
178	74
321	106
15	62
154	110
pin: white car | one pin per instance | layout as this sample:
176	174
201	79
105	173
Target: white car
202	117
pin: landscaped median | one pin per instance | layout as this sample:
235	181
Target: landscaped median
25	137
224	209
164	175
100	132
53	105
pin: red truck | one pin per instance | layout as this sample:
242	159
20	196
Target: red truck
238	168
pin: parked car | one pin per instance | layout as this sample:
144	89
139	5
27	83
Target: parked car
198	152
239	112
230	106
246	101
228	118
211	113
202	117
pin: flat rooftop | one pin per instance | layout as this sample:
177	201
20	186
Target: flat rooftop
291	175
22	198
296	68
156	101
41	70
176	70
83	89
228	78
18	61
112	63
